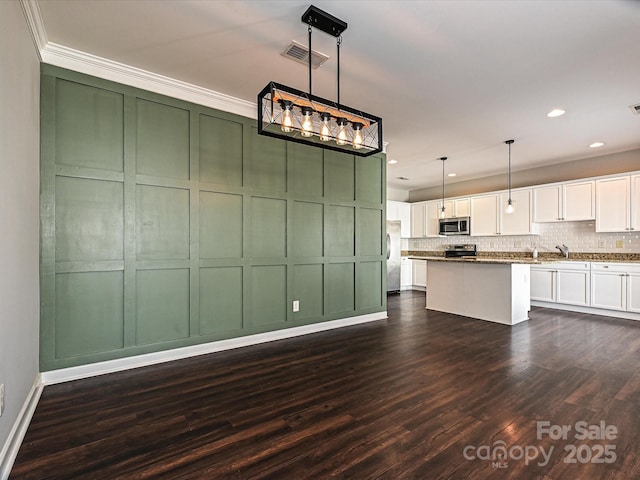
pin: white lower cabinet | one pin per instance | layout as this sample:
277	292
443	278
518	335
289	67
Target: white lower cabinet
615	286
562	282
543	284
406	273
420	273
633	291
573	285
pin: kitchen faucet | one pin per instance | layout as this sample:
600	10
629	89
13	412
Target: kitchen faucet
564	249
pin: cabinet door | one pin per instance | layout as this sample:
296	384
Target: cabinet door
543	285
547	204
635	202
613	199
449	210
417	220
484	215
462	207
392	211
633	292
608	290
406	273
420	273
433	219
519	221
579	201
404	214
573	287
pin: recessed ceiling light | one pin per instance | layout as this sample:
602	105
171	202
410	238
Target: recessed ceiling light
556	112
392	162
403	178
596	144
451	175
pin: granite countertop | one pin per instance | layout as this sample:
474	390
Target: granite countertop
525	257
485	260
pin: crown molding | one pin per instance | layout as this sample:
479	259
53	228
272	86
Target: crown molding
31	10
83	62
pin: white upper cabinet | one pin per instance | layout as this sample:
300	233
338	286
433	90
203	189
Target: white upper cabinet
579	201
547	204
460	207
635	202
432	222
613	204
418	220
449	208
484	216
463	207
400	211
519	222
568	202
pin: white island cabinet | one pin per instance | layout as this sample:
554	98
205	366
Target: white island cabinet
494	291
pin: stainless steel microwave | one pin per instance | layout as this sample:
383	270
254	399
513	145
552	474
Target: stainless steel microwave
455	226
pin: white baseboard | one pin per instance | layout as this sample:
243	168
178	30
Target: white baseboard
111	366
593	311
16	435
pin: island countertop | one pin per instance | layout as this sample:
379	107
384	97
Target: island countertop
500	261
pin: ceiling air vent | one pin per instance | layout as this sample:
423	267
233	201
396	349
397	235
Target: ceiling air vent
635	109
300	54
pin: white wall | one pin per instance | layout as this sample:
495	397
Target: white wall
19	215
578	236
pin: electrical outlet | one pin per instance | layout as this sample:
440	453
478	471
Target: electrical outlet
619	243
296	305
600	243
1	398
517	244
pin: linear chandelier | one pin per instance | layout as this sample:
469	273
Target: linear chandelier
296	116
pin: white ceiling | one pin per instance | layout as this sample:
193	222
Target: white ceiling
449	78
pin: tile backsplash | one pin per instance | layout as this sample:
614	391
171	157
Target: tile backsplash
578	236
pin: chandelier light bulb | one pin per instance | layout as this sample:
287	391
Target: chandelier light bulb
287	116
307	122
358	138
342	131
325	129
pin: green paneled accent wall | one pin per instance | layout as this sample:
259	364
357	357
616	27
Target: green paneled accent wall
162	140
220	225
90	307
162	301
342	297
162	223
220	151
88	137
166	224
220	299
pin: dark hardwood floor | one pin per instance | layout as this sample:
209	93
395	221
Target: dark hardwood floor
424	395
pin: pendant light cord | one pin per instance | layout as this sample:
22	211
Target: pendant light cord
509	142
443	160
509	171
310	59
338	43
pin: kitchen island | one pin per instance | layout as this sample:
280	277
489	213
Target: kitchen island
496	290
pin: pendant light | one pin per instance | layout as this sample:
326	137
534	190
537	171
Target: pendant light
510	208
442	210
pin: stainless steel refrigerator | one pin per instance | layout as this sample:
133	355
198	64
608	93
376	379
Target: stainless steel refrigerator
393	256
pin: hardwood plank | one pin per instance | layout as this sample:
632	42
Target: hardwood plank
395	399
